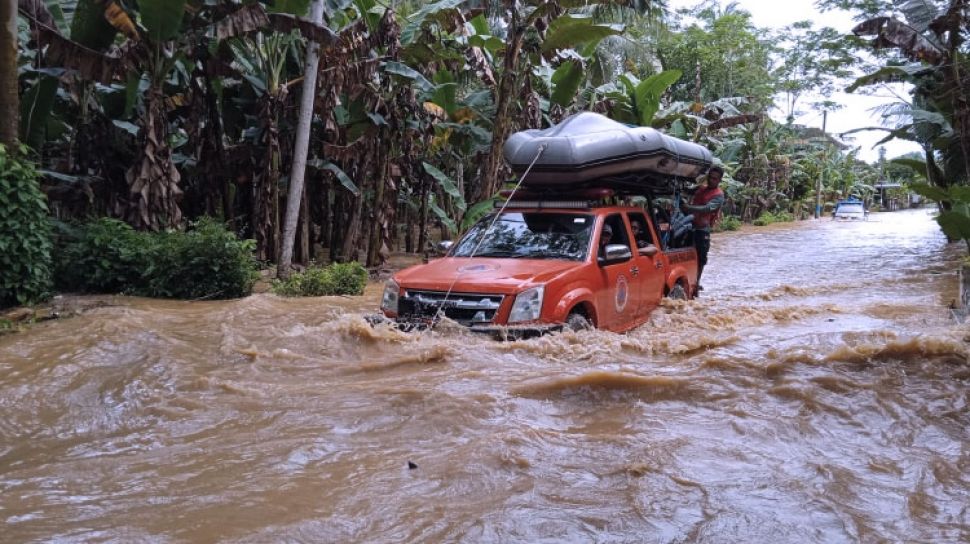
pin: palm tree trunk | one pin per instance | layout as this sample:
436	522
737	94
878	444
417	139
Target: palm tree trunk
376	235
153	180
298	170
503	104
408	230
266	183
303	231
336	215
349	249
9	99
423	221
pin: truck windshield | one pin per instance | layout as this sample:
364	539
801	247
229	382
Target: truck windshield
537	235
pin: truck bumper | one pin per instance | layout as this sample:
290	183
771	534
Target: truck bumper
516	332
497	332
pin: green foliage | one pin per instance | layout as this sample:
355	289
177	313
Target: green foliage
648	92
89	27
105	256
566	81
767	218
162	18
733	59
108	256
569	31
25	236
206	262
728	223
293	7
636	102
954	221
335	279
35	111
477	212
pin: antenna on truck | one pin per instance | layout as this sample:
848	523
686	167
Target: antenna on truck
481	239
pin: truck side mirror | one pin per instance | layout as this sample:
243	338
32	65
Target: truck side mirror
444	246
649	250
614	253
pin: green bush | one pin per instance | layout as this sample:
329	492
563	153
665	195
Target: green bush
784	217
728	222
108	256
104	256
767	218
25	233
335	279
206	262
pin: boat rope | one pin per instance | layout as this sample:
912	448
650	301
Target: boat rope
481	239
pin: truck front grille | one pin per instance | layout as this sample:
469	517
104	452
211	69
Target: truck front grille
465	308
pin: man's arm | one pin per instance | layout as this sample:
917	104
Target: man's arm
714	205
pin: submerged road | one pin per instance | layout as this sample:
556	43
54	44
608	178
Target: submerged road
816	392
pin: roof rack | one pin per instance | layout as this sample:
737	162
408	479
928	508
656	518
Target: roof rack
546	204
637	184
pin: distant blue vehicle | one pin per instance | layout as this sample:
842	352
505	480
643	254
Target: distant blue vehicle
850	209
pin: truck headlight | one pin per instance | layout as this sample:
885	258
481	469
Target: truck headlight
391	293
527	305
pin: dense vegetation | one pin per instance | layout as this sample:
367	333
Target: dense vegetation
160	112
109	256
25	244
317	281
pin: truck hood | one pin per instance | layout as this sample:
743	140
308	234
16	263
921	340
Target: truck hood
482	275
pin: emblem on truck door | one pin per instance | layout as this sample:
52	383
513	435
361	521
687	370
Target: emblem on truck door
622	292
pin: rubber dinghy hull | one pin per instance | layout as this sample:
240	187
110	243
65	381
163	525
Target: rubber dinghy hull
587	146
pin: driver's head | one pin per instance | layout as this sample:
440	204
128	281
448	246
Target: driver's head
606	235
637	227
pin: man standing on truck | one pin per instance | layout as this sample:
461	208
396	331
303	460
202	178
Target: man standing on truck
706	208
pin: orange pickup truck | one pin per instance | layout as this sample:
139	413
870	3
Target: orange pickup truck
539	266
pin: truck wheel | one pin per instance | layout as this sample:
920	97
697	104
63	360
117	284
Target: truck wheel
578	322
677	292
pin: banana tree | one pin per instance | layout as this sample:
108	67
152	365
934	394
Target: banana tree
637	102
934	37
153	180
924	119
542	23
263	61
955	221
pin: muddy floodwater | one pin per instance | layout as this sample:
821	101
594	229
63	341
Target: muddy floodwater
816	392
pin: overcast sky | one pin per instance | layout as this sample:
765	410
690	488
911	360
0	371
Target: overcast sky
856	108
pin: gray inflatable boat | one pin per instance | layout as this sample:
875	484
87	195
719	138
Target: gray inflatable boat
590	149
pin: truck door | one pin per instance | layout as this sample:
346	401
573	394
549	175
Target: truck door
614	295
648	271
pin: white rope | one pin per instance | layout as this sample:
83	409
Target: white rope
481	239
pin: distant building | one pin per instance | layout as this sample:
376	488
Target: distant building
886	201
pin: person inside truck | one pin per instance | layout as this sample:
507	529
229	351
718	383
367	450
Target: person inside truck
605	236
705	206
639	234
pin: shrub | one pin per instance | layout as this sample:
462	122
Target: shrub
108	256
105	256
767	218
335	279
25	234
784	217
205	262
728	222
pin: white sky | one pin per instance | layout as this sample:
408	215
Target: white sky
856	111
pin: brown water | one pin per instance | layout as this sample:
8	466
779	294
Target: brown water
817	392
